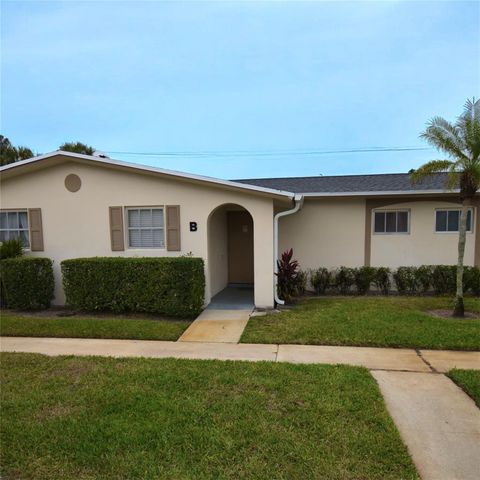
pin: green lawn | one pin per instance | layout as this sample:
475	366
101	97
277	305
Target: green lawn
101	418
469	381
12	324
369	321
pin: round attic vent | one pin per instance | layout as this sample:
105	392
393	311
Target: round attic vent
73	182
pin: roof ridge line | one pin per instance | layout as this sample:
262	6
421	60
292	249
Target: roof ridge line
328	176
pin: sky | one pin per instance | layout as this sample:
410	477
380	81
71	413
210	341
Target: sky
238	89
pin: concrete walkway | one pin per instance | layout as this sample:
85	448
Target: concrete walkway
396	359
438	422
217	325
225	318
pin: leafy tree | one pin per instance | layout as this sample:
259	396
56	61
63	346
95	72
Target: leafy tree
77	147
10	154
461	143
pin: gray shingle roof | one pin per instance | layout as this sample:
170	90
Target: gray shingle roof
387	182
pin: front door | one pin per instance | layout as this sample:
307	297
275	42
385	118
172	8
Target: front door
240	247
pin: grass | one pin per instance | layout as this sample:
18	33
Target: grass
12	324
369	321
101	418
469	381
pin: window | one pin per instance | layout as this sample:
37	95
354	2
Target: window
14	224
145	228
391	222
449	220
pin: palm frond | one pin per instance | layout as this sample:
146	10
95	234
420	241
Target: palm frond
446	137
430	168
470	178
468	126
24	153
452	178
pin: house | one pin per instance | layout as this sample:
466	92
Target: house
65	205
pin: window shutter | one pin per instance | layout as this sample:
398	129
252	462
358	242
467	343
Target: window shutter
36	230
173	228
116	229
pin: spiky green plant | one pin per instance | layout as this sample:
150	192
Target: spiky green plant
461	143
11	248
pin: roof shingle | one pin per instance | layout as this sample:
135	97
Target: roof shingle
386	182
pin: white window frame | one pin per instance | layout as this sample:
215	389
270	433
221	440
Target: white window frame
454	232
17	211
395	210
128	228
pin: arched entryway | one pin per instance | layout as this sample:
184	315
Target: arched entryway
231	256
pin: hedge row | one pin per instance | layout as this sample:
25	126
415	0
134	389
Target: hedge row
26	282
439	279
169	286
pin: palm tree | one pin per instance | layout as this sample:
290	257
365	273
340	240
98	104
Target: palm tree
10	154
77	147
461	143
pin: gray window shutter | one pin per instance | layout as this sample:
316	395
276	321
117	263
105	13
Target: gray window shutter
116	229
36	230
173	228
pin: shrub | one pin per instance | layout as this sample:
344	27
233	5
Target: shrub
320	279
27	282
423	277
11	248
287	273
444	279
167	285
364	277
302	279
405	280
471	280
382	279
344	279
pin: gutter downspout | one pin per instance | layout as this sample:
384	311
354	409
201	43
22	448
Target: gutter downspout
298	205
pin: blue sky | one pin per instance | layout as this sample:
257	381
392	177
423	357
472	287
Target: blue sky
248	77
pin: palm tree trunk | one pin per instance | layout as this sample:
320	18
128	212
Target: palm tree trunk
459	309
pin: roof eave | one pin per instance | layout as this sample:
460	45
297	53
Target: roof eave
381	193
155	170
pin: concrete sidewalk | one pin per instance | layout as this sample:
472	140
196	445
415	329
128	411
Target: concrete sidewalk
438	422
397	359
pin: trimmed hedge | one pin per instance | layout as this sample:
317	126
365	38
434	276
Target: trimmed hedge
441	279
344	279
319	279
27	282
382	279
406	280
171	286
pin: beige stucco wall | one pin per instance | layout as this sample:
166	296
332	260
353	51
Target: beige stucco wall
325	233
331	233
422	246
218	250
77	224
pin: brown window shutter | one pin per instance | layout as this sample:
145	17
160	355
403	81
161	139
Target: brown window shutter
116	229
36	230
173	228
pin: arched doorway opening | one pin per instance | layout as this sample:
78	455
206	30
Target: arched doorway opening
231	256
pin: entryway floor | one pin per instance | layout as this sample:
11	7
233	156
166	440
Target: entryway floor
233	297
224	319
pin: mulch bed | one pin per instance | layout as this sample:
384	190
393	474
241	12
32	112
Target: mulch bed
448	314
